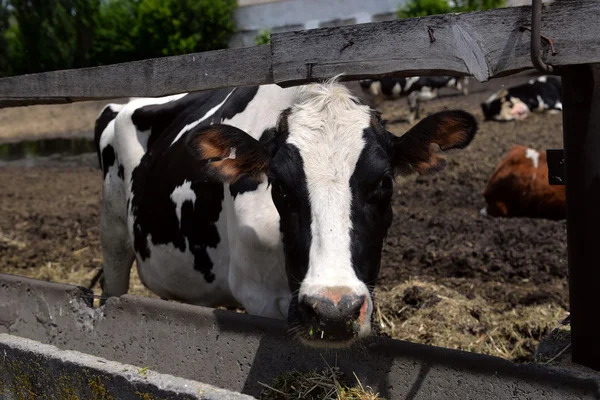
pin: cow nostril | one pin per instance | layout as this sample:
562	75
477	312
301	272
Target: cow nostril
355	307
308	309
331	317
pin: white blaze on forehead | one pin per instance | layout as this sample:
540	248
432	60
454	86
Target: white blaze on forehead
327	128
180	195
534	156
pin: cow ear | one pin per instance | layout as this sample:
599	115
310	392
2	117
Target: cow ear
228	153
417	150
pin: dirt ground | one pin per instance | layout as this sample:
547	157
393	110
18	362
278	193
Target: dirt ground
450	277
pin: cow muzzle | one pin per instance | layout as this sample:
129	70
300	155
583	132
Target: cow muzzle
334	318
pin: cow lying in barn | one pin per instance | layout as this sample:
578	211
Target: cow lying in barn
519	188
537	95
274	199
416	89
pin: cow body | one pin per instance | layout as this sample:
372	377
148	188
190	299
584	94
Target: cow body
519	187
415	89
273	199
159	202
542	94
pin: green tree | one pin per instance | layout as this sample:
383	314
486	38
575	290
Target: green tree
422	8
49	34
4	25
113	37
85	15
168	27
263	37
45	35
40	36
476	5
139	29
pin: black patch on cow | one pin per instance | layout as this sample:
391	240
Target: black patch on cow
108	159
175	115
246	184
167	166
243	185
101	123
238	101
290	195
549	91
371	185
388	84
121	172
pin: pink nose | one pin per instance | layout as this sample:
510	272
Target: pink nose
333	315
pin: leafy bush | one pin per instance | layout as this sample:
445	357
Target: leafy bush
43	35
263	37
139	29
422	8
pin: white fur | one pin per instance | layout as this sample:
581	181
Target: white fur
541	105
257	274
534	156
182	194
323	119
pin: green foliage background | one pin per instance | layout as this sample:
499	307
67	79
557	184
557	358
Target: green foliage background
45	35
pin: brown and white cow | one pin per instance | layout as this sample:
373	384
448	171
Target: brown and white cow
519	187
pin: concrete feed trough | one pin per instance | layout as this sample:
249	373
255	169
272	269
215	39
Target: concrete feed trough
235	351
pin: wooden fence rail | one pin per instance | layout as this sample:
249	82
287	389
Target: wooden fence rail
485	44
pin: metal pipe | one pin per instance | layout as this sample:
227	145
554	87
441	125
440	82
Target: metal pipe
536	39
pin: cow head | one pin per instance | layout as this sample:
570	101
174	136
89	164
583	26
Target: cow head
331	165
501	106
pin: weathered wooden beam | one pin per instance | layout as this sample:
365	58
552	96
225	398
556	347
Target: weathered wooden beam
581	135
486	45
146	78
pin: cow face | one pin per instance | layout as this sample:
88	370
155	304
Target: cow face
331	166
502	106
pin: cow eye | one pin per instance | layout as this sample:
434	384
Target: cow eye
382	191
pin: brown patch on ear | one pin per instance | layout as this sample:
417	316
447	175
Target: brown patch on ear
453	132
229	153
417	150
227	169
435	163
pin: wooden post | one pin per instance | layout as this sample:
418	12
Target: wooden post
581	135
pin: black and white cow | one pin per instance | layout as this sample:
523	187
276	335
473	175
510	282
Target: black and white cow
274	199
538	95
416	89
